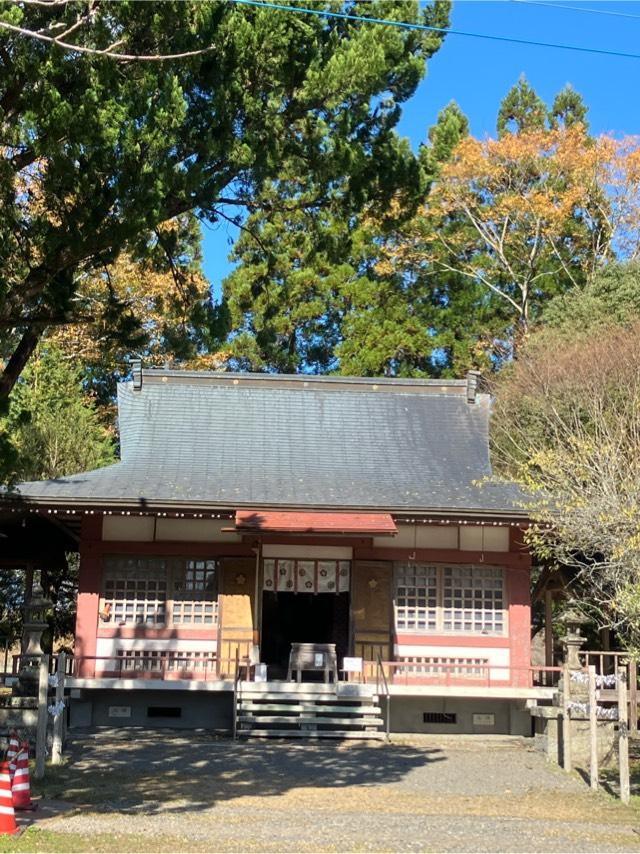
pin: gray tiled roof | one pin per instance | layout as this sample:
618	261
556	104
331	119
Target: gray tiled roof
220	440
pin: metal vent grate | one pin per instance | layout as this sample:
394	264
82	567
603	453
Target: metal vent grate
164	712
439	717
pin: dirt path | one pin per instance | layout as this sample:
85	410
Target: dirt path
168	793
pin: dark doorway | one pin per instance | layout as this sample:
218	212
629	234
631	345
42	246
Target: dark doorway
302	618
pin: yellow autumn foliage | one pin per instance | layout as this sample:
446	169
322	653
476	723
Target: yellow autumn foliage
526	209
156	300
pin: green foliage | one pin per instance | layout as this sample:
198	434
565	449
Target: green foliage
611	296
52	424
11	601
568	109
451	126
53	429
154	301
313	291
521	110
391	291
566	426
98	152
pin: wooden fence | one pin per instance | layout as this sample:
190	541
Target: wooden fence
612	681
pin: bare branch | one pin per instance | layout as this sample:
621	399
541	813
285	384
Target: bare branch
107	52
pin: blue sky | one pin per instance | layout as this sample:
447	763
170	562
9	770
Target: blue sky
477	74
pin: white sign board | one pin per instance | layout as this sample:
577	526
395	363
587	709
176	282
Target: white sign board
119	711
484	720
352	665
260	673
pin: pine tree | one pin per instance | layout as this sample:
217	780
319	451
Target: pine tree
451	126
521	110
568	109
316	290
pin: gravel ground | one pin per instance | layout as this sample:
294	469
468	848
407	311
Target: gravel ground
431	794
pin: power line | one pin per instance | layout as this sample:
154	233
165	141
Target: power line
426	28
576	8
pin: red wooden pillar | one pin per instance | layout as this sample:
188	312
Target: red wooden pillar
89	584
519	594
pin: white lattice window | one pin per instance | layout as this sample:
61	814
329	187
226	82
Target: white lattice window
135	591
473	599
449	599
146	590
416	597
194	592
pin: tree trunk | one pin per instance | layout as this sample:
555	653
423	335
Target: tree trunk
18	360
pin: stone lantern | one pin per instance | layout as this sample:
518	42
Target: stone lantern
33	626
574	621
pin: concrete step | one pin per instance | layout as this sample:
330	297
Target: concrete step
311	719
342	688
304	707
308	710
323	697
307	698
311	734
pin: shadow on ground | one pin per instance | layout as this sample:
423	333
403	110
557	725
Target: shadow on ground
174	775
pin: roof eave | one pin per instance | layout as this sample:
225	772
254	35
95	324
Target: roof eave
206	507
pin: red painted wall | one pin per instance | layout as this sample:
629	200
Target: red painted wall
517	563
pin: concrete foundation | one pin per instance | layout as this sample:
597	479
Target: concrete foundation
214	709
456	715
176	709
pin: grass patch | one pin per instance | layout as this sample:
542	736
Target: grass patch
36	839
611	777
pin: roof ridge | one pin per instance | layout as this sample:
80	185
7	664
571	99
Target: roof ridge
327	382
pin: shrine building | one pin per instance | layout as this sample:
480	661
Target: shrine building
264	529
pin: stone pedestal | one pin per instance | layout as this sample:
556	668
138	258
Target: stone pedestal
548	737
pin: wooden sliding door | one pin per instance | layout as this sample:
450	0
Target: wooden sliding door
236	607
371	610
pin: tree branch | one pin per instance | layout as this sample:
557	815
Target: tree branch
107	52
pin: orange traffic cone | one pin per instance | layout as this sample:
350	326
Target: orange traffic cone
7	816
20	784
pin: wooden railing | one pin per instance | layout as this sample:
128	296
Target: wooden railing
605	661
612	664
144	666
460	674
154	664
382	684
237	664
17	662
